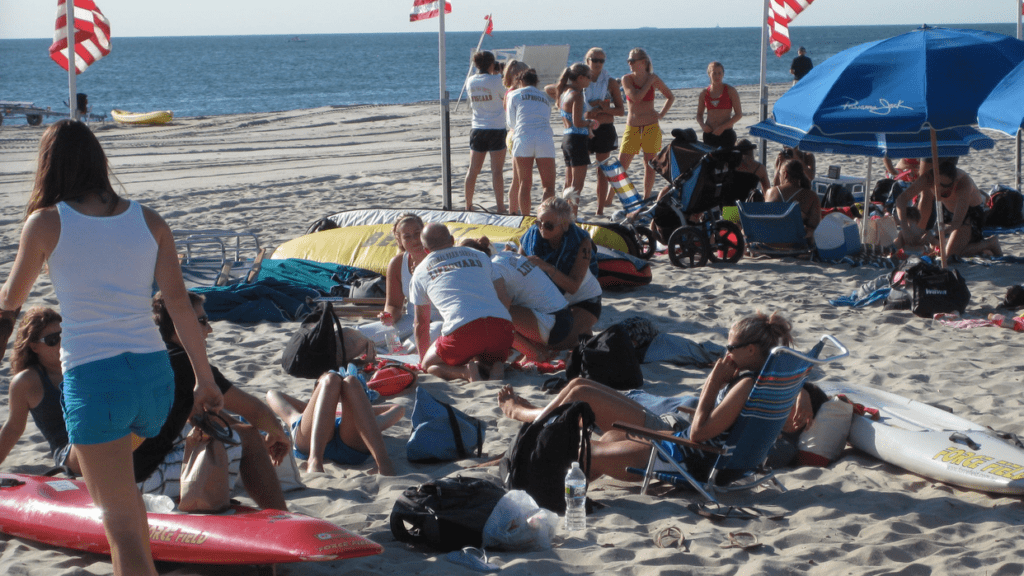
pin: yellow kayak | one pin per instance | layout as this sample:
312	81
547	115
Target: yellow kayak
159	117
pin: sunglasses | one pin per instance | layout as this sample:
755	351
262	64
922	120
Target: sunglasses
203	320
549	226
598	60
50	340
632	60
732	347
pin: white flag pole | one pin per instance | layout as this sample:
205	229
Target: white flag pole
470	71
69	11
446	173
764	82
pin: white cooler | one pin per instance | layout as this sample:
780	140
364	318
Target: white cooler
836	236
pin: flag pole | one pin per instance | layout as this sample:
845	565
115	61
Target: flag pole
69	11
763	91
470	71
446	173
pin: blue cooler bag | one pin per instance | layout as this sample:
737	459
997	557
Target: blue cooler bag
441	432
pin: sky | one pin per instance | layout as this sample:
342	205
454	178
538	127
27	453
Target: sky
132	18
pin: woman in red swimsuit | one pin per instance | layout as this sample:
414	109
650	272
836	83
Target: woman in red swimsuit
643	134
722	104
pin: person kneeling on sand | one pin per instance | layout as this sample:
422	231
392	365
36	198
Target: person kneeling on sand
347	440
464	287
158	460
540	313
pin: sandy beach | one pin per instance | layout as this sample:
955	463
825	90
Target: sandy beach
275	173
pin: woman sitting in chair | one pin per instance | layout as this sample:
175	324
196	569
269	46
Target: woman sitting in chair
725	391
795	187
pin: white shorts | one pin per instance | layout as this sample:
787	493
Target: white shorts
533	145
166	479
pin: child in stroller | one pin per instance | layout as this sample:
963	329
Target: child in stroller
687	213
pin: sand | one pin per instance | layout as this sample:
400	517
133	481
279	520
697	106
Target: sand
275	173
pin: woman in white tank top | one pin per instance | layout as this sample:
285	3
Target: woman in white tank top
103	254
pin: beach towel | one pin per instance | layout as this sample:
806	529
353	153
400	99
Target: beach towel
322	277
266	300
565	256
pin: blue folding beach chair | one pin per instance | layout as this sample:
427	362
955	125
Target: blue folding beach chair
773	228
742	462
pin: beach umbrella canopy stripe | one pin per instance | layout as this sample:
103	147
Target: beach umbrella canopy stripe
928	78
1003	110
952	141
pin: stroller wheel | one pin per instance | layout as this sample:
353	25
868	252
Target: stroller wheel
645	242
688	247
728	242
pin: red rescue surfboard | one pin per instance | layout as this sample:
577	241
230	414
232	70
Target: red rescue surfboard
60	512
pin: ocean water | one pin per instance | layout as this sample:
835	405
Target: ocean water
210	75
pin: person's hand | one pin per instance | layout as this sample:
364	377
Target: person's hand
537	261
801	416
207	397
277	445
723	372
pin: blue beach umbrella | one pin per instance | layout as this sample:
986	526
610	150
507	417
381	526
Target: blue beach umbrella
951	142
1003	110
929	78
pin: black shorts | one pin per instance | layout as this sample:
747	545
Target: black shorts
975	218
592	305
605	139
486	140
574	149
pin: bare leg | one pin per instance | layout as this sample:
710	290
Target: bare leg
649	175
603	198
476	163
611	456
513	191
257	471
498	178
359	426
317	427
546	169
108	475
609	406
515	406
524	166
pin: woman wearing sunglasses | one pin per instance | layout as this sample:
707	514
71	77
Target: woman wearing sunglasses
716	409
605	101
564	252
104	253
36	387
643	133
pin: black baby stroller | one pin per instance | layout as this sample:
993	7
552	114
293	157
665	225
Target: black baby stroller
687	216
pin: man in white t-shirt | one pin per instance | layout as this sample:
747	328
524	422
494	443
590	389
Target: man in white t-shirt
463	286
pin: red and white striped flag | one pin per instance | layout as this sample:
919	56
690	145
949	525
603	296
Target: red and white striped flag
92	35
424	9
490	25
780	14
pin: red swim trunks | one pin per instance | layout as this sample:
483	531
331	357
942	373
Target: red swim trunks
490	338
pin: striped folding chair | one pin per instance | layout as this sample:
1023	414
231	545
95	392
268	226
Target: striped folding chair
741	464
627	194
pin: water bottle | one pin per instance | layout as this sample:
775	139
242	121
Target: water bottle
392	342
575	499
158	503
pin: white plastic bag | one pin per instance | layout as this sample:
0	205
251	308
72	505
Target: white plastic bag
518	523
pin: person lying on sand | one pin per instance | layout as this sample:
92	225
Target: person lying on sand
348	440
464	286
158	460
36	387
722	397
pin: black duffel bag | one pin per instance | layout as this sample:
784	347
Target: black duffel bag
938	290
445	514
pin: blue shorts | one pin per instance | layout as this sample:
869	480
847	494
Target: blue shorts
336	450
106	399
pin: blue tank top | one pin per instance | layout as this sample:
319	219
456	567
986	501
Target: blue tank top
583	130
49	415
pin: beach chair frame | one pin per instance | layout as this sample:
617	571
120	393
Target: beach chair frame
218	257
750	439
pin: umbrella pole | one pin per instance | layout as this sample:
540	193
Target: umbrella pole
935	190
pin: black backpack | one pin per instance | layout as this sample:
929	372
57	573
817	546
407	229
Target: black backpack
837	196
543	451
1004	207
313	349
608	357
445	514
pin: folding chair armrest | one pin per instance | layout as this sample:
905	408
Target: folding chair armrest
650	434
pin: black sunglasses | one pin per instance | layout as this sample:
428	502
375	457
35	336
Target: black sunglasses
731	347
549	226
203	320
598	60
50	339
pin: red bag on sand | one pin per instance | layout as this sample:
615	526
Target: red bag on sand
391	379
